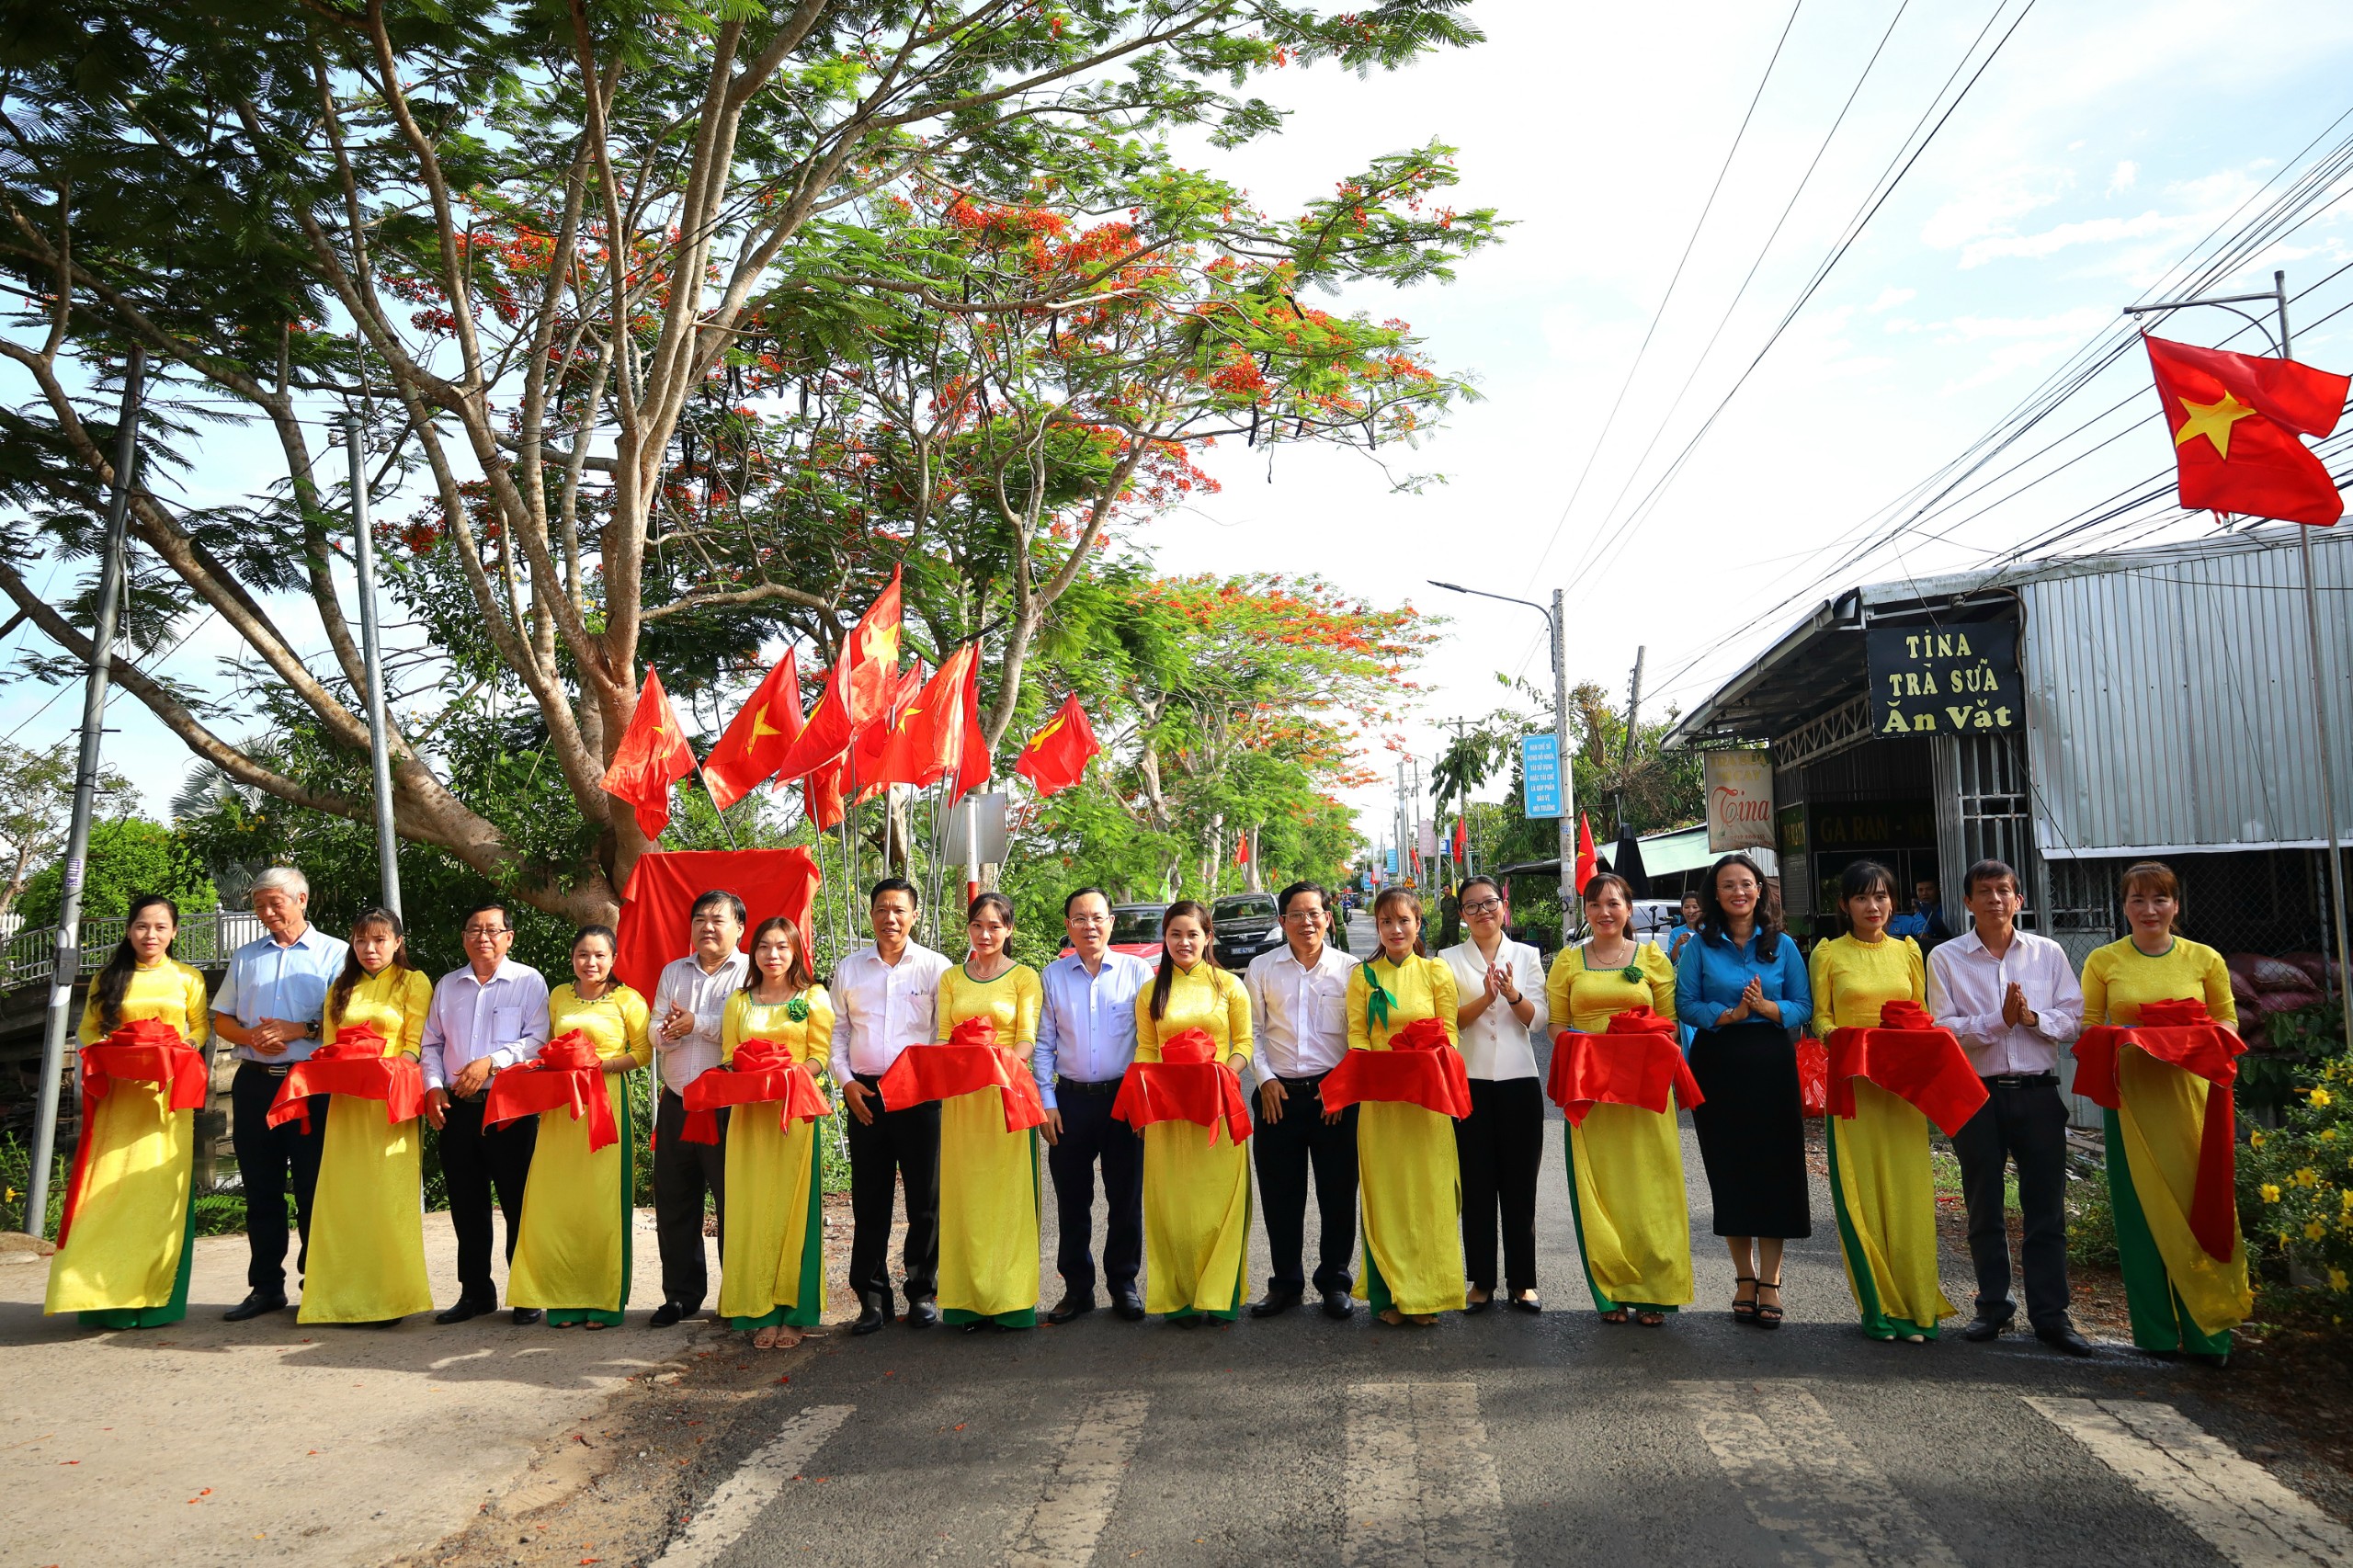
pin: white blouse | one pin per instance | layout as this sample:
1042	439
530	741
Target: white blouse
1495	1046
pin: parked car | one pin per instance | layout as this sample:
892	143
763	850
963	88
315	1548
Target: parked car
1135	928
1246	926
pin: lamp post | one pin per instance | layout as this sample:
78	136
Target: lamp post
380	740
1552	619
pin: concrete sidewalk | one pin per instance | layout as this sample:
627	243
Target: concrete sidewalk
208	1442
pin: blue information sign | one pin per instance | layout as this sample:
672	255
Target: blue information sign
1392	863
1540	773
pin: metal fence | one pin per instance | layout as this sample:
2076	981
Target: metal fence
206	940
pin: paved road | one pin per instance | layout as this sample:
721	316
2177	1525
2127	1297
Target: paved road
1497	1438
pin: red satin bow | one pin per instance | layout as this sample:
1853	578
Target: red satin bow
1420	1067
356	1062
147	1051
1187	1084
565	1076
972	1060
761	1072
1912	1059
2181	1032
1634	1061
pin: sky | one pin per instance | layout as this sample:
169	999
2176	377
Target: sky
2104	141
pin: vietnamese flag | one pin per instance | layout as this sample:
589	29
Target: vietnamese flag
763	732
2236	419
1241	849
652	756
869	759
857	689
820	794
1586	861
1056	757
939	732
1462	840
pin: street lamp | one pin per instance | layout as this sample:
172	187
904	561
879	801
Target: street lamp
1552	619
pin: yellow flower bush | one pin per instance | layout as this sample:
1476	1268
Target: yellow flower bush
2295	1197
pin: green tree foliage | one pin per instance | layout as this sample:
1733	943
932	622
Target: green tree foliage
36	808
128	855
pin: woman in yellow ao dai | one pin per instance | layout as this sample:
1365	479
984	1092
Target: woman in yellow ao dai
132	1238
1196	1179
989	1267
368	1220
574	1257
1409	1174
772	1256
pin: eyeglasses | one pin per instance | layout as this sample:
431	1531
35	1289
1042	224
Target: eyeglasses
1303	914
480	933
1485	906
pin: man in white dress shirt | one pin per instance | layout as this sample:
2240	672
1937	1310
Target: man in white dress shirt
484	1019
2012	1000
1298	1011
1086	1037
688	1011
885	996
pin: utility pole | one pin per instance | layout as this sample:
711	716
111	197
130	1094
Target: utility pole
67	966
1626	751
1555	622
371	650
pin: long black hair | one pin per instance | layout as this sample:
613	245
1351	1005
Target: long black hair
797	974
1166	979
339	994
107	988
1768	914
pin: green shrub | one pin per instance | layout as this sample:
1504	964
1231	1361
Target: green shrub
2295	1182
15	1185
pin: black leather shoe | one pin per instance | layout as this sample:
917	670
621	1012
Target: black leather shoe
465	1311
923	1313
256	1304
873	1313
1471	1308
524	1316
667	1316
1984	1328
1277	1303
2062	1336
1071	1305
1339	1305
1128	1303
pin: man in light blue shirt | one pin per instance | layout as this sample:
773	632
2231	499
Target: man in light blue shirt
268	1007
1086	1037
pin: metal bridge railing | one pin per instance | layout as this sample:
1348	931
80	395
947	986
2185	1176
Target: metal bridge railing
30	957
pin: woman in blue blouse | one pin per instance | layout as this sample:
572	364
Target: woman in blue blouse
1741	986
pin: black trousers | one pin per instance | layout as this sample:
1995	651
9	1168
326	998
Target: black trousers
269	1160
1501	1147
475	1165
2026	1123
1282	1152
682	1172
1090	1134
897	1146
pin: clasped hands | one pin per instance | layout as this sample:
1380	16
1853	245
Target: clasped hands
1754	1003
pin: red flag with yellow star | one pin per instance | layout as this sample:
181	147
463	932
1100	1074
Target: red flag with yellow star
756	741
857	689
2236	419
940	727
1056	757
652	756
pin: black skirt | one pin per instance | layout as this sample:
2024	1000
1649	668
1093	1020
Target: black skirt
1752	1132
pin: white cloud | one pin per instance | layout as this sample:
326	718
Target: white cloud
2127	174
1891	296
2049	241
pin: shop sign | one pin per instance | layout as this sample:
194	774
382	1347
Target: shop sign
1740	800
1874	825
1945	680
1539	775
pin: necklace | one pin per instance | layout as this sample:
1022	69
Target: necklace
1631	972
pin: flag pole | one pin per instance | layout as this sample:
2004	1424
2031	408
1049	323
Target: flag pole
2320	719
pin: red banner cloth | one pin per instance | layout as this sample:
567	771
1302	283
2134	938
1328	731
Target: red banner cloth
1420	1067
653	926
565	1076
970	1060
1814	1078
762	1073
146	1052
1187	1084
2184	1033
355	1063
1635	1061
1912	1059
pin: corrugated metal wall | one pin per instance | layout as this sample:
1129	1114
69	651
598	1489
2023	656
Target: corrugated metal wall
2169	706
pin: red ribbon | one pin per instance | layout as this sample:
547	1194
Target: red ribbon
356	1062
762	1072
148	1051
1912	1059
970	1060
1421	1067
1633	1063
1187	1084
2182	1032
566	1075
